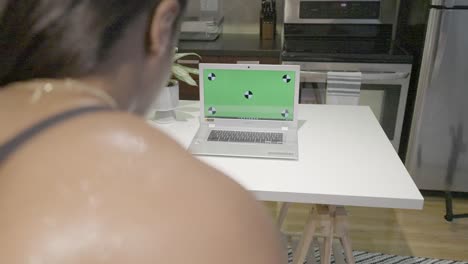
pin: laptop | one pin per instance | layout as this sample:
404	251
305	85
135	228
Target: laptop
248	111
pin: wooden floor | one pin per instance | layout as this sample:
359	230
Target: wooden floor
401	232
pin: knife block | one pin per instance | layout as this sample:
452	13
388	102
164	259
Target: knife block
267	28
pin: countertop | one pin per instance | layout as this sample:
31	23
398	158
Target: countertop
234	45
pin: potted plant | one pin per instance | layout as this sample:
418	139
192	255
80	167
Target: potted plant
168	99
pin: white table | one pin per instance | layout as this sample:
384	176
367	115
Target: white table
345	158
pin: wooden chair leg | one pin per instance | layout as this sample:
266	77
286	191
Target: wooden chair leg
301	252
330	233
283	213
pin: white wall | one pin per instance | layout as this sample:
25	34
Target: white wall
240	16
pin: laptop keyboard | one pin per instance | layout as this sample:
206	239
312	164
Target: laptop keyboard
246	137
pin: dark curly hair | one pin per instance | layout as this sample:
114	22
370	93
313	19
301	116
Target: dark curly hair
62	38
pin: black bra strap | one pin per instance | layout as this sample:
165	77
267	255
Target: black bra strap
12	145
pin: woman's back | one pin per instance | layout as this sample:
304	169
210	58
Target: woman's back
107	188
103	186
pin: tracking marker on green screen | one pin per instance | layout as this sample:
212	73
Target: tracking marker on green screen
212	111
211	77
248	95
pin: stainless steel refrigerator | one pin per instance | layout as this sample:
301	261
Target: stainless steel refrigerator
437	155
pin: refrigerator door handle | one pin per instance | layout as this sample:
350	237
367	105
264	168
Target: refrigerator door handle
442	44
430	50
427	68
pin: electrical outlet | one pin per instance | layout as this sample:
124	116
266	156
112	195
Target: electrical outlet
209	5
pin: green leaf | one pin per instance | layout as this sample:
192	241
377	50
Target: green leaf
190	70
181	55
182	75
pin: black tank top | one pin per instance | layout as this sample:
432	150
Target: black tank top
16	142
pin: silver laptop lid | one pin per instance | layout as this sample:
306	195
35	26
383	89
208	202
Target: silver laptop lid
249	92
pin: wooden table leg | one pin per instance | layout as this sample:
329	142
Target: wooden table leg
283	213
330	233
311	255
300	253
348	250
342	231
338	253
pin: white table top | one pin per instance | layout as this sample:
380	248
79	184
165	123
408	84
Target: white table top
345	158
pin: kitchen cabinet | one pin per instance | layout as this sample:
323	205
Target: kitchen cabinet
188	92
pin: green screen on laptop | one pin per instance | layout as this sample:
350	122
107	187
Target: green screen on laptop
249	94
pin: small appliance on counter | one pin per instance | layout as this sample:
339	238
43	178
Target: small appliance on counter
346	54
268	20
203	21
201	28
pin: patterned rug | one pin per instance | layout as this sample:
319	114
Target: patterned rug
377	258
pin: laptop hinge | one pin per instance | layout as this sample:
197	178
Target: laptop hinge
285	128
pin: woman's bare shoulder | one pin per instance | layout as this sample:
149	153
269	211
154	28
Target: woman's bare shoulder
116	169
